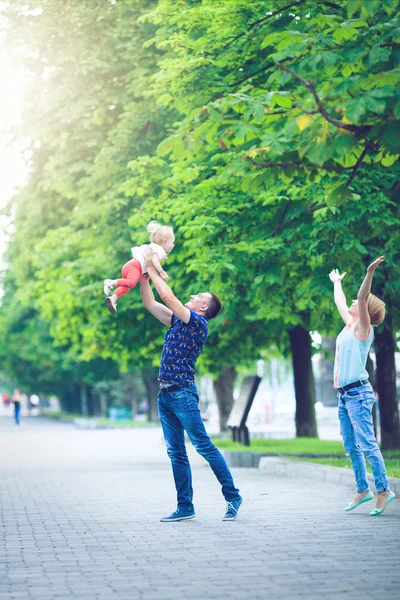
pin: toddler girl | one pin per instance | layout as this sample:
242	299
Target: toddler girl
162	241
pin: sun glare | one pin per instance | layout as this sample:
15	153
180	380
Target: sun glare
13	168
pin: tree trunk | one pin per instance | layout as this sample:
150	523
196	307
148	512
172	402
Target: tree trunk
328	392
71	400
152	386
90	400
385	347
130	393
223	387
84	397
304	385
103	405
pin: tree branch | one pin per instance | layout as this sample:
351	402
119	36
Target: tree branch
315	208
281	221
310	86
299	165
143	130
308	112
252	25
267	66
332	5
368	146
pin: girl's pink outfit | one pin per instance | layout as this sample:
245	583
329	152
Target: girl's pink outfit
134	268
131	273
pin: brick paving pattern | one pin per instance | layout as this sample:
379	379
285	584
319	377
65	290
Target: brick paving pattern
80	520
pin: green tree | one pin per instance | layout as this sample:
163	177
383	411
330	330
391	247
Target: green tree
86	118
296	106
277	139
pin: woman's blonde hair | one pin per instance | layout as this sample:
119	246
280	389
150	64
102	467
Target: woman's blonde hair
376	310
158	232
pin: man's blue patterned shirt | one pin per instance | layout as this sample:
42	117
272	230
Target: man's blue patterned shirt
182	347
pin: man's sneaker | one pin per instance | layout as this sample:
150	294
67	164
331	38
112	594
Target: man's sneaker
111	305
178	515
108	286
232	509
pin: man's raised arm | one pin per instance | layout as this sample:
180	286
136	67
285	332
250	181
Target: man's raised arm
161	312
166	294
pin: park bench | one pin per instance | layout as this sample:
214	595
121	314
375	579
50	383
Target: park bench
241	408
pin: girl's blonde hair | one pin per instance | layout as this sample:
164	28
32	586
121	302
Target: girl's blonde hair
158	232
376	310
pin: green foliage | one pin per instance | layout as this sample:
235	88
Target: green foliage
269	140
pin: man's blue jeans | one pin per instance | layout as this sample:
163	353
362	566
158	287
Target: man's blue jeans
179	412
357	429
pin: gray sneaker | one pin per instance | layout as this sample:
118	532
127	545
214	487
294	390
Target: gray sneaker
111	305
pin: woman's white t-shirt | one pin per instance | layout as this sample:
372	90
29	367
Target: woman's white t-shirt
138	254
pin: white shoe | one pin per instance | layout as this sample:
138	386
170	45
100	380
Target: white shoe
111	305
108	286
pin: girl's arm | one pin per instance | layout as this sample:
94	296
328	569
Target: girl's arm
157	264
364	321
340	298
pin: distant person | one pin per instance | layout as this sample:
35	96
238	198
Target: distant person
162	242
178	398
17	399
355	393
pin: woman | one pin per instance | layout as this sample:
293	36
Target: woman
17	405
355	393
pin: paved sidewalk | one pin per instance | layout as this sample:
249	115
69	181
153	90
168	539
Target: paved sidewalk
80	519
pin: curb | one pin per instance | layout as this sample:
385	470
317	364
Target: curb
325	473
235	458
242	459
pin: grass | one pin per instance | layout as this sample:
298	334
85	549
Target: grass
289	446
102	422
330	452
60	415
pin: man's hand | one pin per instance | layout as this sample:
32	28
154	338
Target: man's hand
375	264
148	256
334	275
164	275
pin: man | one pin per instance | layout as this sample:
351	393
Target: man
178	397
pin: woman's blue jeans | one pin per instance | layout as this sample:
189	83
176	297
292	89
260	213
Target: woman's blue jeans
357	429
179	412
